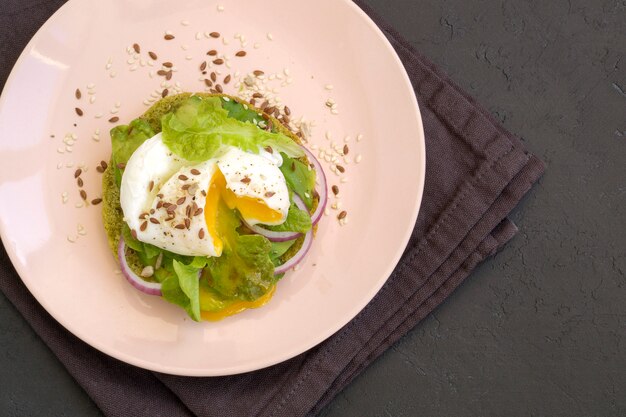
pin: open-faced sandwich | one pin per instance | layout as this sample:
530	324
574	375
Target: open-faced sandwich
208	201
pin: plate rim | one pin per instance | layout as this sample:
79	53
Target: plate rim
286	355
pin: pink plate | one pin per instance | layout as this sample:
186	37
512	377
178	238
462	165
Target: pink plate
310	51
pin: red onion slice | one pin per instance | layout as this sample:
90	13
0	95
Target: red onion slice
150	288
323	191
273	236
298	257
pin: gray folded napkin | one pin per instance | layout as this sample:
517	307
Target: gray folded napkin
476	173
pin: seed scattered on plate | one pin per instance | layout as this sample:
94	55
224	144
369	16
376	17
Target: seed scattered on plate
214	34
165	93
270	36
241	54
114	119
227	79
335	190
220	8
152	55
168	37
136	48
83	194
78	94
77	173
78	111
96	201
218	61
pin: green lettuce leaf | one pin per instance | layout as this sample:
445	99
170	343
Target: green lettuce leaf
300	178
183	288
237	111
279	249
125	139
297	221
244	270
199	128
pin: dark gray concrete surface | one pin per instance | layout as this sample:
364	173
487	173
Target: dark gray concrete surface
539	330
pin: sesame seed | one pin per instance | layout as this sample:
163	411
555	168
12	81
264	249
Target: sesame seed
71	239
358	158
99	115
112	74
270	36
184	22
91	86
329	87
343	180
92	99
184	47
334	111
220	8
359	137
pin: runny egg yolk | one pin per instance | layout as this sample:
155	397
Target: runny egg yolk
234	308
248	207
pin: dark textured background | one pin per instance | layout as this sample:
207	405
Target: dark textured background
540	330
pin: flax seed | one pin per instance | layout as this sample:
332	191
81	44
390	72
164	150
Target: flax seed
154	221
241	54
151	186
201	233
83	194
114	119
153	55
136	48
258	73
187	223
219	89
168	37
183	177
335	190
181	201
169	74
340	169
212	52
143	226
99	169
180	226
218	61
345	149
78	94
203	66
227	79
214	34
133	233
246	180
213	76
287	111
342	215
78	172
257	95
208	83
198	211
80	182
269	194
78	111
